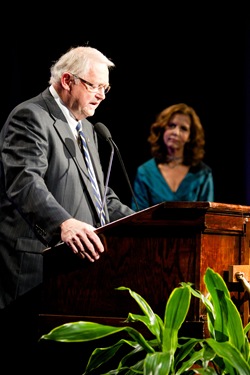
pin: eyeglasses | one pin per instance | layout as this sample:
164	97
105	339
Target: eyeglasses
91	87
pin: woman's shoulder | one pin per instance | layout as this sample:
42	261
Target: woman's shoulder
201	167
148	164
147	168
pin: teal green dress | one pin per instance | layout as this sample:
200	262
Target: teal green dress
151	188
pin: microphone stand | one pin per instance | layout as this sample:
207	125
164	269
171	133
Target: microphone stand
108	174
125	172
104	133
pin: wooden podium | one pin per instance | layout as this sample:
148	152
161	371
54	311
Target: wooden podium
151	252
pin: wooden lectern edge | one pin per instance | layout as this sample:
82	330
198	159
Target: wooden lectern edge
113	224
138	216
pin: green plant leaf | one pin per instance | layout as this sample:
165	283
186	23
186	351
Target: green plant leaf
234	324
226	312
101	356
205	299
197	356
215	281
82	331
231	355
145	320
217	288
185	349
157	364
153	321
246	328
175	314
135	369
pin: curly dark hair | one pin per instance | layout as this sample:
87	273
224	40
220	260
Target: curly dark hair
194	149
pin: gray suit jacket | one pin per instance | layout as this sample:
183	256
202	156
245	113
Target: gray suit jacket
43	182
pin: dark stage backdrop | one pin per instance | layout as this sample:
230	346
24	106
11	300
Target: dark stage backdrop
160	60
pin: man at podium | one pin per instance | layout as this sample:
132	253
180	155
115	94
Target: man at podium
49	191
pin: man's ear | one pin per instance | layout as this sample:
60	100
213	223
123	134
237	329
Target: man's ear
67	80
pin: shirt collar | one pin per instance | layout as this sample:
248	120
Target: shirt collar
69	117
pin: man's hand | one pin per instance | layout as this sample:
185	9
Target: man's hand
81	238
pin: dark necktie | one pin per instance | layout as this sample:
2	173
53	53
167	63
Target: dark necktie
91	174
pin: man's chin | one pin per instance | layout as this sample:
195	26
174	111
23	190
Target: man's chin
89	113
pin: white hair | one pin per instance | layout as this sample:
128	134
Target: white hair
78	61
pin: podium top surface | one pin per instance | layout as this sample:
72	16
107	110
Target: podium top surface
213	216
168	210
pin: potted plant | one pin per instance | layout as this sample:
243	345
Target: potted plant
225	351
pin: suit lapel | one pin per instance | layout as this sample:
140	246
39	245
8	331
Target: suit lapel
71	144
66	136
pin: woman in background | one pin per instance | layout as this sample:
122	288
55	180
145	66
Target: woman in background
176	171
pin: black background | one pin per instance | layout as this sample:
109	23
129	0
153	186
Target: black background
163	55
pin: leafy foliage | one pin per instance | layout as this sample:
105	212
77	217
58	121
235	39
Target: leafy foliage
226	351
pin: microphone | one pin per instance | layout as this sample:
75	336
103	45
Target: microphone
104	133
